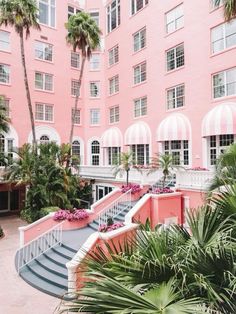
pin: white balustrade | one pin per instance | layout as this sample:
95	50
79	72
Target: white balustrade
194	179
38	246
114	209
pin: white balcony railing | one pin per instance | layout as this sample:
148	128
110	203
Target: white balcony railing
199	180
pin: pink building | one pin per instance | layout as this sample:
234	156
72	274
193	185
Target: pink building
163	80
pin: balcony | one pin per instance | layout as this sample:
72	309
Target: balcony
190	179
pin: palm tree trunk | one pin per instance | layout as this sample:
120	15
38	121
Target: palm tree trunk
127	177
27	89
76	101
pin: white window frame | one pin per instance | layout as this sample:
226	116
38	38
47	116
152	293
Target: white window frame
140	39
216	6
110	11
5	45
133	8
75	88
77	116
94	89
43	51
51	7
113	54
46	85
76	149
75	60
222	28
96	144
113	155
140	107
218	149
95	16
5	77
95	116
175	18
173	103
75	10
7	146
114	85
176	58
114	114
95	62
140	75
225	84
182	151
44	113
6	103
143	148
44	139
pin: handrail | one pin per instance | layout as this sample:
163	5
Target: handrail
170	179
112	210
38	246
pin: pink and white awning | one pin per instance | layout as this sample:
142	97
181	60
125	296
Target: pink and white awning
220	120
138	133
111	138
174	127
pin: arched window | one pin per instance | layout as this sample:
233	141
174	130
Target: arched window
44	139
76	148
95	153
2	143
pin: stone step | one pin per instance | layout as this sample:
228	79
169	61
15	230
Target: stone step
52	266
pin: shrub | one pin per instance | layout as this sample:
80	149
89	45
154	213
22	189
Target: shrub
135	188
1	232
114	226
47	210
30	215
75	215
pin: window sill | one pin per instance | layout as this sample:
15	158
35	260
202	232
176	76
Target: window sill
5	84
171	33
6	51
73	96
175	70
45	61
95	98
107	34
77	125
140	117
114	123
76	69
110	95
44	121
112	65
222	51
140	50
175	109
95	125
44	91
48	26
95	70
138	84
216	8
220	99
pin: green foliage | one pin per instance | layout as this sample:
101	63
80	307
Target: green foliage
1	232
123	164
4	120
47	210
229	8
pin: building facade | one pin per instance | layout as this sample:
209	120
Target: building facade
163	80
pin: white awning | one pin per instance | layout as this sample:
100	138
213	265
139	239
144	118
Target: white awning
138	133
111	138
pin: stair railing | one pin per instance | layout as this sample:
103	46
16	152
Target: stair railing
38	246
114	208
170	180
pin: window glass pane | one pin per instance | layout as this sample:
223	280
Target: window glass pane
4	41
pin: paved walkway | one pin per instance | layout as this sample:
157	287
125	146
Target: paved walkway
16	296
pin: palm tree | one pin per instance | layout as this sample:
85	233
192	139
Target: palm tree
22	15
84	35
4	120
229	8
125	162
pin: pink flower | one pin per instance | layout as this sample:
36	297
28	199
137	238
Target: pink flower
162	190
106	228
135	188
76	215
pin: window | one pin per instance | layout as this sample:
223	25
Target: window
75	88
217	145
44	139
224	83
47	12
140	73
76	148
114	85
72	11
140	107
113	155
75	60
179	151
43	81
113	15
95	16
95	153
6	104
175	19
76	116
114	114
140	154
175	97
6	147
216	5
95	62
94	89
4	41
175	57
223	36
43	51
4	74
114	55
139	39
44	112
94	116
137	5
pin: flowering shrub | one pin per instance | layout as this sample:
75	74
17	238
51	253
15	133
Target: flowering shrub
135	188
75	215
162	190
198	169
107	228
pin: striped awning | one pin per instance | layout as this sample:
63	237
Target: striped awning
111	138
220	120
138	133
174	127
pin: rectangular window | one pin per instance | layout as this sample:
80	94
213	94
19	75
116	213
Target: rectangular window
114	55
95	16
4	41
223	36
94	89
140	73
75	88
43	51
114	114
217	145
113	156
175	19
113	15
175	57
175	97
95	62
43	81
6	104
114	85
94	116
224	83
137	5
179	151
44	112
140	107
4	74
75	60
72	11
76	116
47	12
139	40
140	154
